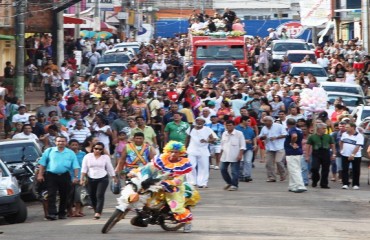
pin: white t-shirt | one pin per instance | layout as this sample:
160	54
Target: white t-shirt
20	118
195	146
104	138
22	135
350	142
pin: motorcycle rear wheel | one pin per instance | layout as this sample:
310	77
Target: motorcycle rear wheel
117	216
168	223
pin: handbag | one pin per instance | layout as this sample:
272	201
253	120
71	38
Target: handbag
84	196
115	187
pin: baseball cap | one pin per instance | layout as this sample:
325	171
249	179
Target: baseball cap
40	114
106	69
211	103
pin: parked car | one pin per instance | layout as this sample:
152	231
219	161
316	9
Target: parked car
115	57
342	87
361	113
297	56
315	69
218	70
279	48
350	100
114	67
131	46
12	207
20	157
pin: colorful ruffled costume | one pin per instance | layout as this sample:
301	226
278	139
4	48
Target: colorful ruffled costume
178	193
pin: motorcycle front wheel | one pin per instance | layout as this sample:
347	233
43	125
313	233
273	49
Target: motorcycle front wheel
117	216
168	223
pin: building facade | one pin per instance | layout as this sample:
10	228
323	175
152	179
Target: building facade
7	45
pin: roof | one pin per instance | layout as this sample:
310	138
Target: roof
309	65
289	40
111	64
300	52
344	94
342	84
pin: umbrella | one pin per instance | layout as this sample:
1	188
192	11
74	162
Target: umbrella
103	35
88	34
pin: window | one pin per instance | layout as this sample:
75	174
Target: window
16	152
235	52
317	72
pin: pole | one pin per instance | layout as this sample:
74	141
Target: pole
365	24
97	16
122	23
19	66
77	26
60	39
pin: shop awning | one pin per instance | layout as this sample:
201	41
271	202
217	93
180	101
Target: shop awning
6	37
73	20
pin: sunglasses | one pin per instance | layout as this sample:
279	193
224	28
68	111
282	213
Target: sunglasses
100	149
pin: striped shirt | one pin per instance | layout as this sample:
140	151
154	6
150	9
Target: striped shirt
79	134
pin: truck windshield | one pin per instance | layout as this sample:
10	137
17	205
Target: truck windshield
234	52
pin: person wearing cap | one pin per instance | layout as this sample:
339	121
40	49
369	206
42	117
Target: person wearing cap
273	35
318	148
103	76
198	139
293	153
21	116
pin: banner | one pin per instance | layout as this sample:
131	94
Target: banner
315	12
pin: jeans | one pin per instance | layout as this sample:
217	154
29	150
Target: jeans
96	189
234	179
304	170
356	167
320	158
47	89
246	164
58	183
338	161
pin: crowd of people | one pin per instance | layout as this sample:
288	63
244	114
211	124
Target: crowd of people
123	119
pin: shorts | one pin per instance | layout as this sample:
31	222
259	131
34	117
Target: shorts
214	149
261	144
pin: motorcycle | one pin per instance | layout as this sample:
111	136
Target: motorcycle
145	197
25	175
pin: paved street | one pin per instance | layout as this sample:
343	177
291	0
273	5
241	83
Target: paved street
259	210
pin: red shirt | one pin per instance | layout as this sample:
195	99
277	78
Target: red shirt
318	52
173	95
253	121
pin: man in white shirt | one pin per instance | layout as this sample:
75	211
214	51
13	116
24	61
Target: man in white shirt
196	25
232	149
21	116
323	61
159	65
274	135
198	141
263	60
79	132
26	133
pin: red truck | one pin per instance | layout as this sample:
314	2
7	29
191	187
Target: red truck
206	49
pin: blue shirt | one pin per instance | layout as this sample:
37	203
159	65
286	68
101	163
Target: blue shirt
80	155
59	162
217	128
289	150
248	134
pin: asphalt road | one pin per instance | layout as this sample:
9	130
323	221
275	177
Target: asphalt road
259	210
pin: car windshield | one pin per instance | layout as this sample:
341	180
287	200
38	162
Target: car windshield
317	72
234	52
298	57
135	48
3	172
283	47
218	71
14	152
353	90
349	101
114	58
117	69
365	114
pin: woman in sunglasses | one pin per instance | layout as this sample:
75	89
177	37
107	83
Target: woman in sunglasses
96	169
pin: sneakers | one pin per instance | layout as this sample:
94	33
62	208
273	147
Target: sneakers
187	228
356	188
216	168
233	188
211	166
227	186
345	187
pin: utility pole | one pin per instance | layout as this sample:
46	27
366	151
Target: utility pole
78	27
19	65
365	24
97	16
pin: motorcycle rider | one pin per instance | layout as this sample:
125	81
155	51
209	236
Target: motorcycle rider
171	167
135	154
